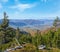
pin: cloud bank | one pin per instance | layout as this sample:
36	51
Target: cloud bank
22	7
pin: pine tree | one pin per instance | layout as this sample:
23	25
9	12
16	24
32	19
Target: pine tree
3	27
5	22
6	32
37	39
55	21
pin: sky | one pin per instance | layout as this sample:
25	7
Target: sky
30	9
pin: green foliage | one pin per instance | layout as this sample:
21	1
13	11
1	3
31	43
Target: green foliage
9	36
5	22
55	21
17	33
37	39
25	38
50	39
6	33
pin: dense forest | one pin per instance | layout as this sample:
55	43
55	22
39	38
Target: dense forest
10	37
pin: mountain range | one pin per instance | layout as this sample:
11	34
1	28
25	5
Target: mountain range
30	23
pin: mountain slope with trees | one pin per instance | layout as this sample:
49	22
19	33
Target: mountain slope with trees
10	37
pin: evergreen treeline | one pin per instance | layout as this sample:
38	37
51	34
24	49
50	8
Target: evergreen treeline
10	37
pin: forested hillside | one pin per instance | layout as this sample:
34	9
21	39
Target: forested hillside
10	38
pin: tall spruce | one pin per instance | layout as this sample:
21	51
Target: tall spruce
6	33
5	22
3	27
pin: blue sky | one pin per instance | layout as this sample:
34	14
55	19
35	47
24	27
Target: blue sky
30	9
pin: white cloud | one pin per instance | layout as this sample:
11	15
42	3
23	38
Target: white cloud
3	0
0	6
23	7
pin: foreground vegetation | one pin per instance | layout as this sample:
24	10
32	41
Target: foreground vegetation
10	37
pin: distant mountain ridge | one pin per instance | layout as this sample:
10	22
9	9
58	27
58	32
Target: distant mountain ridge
29	22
